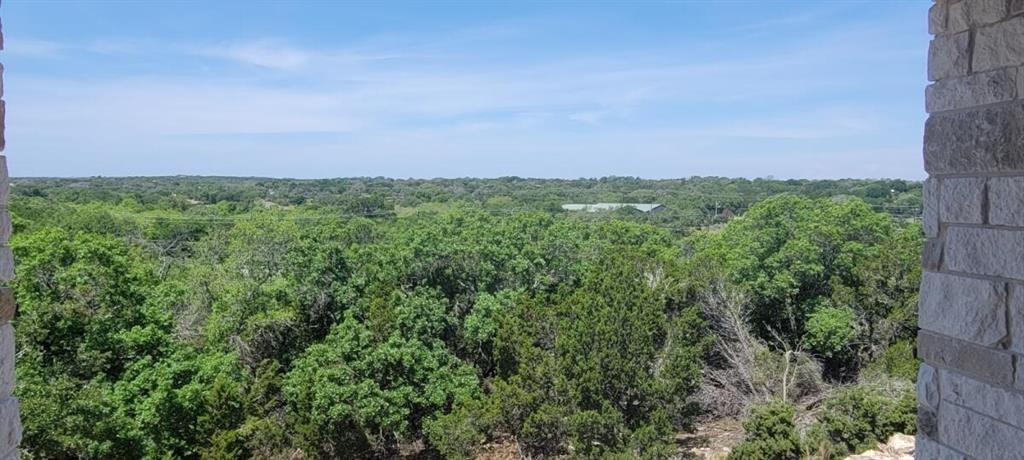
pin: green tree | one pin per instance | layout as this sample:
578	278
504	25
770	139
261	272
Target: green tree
368	391
770	434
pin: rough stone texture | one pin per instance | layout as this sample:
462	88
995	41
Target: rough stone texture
1015	307
3	130
1000	404
972	90
6	264
949	56
985	251
971	391
926	449
927	421
931	208
998	45
956	18
990	365
6	360
984	12
5	226
1020	79
979	436
10	420
8	306
928	387
1019	382
962	200
898	447
931	256
968	309
5	181
10	426
937	19
989	139
1006	201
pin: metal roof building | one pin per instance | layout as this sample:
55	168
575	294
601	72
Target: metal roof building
643	207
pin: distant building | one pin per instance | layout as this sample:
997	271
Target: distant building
642	207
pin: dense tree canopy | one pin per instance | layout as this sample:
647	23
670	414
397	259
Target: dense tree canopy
370	318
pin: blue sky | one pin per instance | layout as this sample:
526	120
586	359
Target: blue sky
806	89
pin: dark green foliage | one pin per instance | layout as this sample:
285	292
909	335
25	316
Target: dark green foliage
227	318
829	276
378	389
858	418
830	332
770	434
897	361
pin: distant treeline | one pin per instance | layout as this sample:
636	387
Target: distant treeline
691	201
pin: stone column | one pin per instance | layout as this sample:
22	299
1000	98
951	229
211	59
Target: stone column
971	387
10	423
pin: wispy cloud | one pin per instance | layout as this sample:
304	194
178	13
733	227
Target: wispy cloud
20	47
267	53
411	108
33	48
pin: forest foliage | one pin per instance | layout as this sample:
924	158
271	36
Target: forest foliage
370	318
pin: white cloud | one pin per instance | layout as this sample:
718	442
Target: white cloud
32	48
272	54
399	111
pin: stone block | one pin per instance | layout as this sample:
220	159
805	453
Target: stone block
10	425
1019	377
995	46
972	90
949	56
931	207
1015	307
965	308
931	255
926	449
1004	405
6	264
1020	80
8	304
985	251
1016	7
979	436
989	139
928	393
937	18
6	227
990	365
5	181
984	12
6	360
956	18
927	421
1006	201
962	200
3	124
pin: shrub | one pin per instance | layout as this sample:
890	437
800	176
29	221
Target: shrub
830	331
771	434
897	361
858	418
457	434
